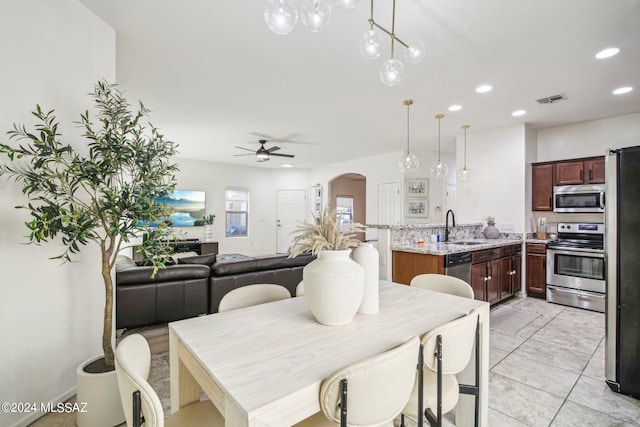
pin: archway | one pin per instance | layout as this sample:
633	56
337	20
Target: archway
348	196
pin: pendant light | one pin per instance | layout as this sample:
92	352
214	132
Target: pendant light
281	16
409	161
464	174
439	169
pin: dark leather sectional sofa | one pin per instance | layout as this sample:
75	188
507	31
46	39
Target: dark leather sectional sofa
195	285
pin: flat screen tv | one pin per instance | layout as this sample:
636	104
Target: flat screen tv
186	207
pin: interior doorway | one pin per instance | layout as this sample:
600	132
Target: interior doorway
349	192
292	206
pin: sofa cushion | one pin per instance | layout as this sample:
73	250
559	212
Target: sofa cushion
271	262
208	259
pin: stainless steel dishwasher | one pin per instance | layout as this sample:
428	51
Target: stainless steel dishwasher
458	265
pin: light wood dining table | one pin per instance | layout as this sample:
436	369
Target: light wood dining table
263	365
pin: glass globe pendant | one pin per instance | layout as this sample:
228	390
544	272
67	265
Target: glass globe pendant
281	16
371	44
439	169
347	5
415	52
316	15
391	72
408	162
464	174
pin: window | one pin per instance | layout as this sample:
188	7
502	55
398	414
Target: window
236	212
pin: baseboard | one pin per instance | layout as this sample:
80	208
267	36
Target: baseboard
34	416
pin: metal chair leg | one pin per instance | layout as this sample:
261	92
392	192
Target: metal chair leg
475	389
138	419
420	385
343	402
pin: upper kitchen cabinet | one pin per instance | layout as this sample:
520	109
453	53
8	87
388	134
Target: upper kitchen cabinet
577	172
542	187
566	172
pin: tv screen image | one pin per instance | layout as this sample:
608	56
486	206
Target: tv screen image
186	207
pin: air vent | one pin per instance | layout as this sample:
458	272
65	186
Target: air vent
553	98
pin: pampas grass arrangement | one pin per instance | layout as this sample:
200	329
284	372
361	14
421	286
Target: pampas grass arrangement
324	234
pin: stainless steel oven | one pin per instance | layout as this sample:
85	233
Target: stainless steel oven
578	198
576	266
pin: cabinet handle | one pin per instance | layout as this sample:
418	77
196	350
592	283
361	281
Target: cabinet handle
581	175
590	174
550	202
486	278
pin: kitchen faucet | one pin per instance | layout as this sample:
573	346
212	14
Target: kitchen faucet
446	224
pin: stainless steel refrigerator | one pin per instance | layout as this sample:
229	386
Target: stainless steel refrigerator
622	251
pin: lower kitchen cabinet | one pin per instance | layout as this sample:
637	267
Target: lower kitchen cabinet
485	275
510	270
536	270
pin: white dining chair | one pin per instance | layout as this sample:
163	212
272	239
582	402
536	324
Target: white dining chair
447	350
371	392
140	401
247	296
442	283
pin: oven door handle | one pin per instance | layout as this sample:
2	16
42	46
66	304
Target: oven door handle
583	253
578	292
602	200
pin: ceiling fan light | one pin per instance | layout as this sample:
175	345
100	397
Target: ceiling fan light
371	44
316	15
391	72
281	16
262	154
415	53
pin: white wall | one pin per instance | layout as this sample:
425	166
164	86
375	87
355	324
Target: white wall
589	138
51	315
262	184
496	159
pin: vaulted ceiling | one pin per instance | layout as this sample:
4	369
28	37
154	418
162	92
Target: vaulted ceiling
216	77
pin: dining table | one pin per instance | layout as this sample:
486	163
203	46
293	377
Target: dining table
263	365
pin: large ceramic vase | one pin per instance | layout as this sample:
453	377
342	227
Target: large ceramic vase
366	255
333	286
491	232
102	397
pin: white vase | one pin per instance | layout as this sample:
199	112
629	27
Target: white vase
101	394
367	257
208	233
333	286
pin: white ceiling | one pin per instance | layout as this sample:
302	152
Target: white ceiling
215	76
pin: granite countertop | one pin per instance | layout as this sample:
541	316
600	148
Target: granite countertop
446	248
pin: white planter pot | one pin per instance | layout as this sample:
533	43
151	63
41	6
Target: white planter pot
102	397
367	257
333	286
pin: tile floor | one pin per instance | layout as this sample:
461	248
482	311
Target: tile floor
546	369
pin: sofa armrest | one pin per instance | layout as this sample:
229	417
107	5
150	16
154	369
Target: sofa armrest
139	275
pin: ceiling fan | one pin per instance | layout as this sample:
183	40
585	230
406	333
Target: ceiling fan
263	154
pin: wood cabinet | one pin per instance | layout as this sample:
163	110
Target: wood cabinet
485	275
201	248
536	280
567	172
407	265
583	171
594	171
542	187
510	270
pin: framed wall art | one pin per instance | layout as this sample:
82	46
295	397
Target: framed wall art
416	208
416	187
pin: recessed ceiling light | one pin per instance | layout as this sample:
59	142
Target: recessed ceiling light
484	89
455	108
519	113
287	165
607	53
622	90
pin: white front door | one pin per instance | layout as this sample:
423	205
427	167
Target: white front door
292	206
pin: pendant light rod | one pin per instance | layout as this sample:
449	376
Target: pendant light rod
465	127
439	116
391	33
408	103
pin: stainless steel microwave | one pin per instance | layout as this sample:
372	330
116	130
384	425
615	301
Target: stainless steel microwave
578	198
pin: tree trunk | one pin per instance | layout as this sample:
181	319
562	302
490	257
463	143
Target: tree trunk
108	310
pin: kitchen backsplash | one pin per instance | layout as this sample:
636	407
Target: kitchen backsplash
411	233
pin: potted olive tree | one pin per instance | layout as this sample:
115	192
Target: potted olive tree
105	197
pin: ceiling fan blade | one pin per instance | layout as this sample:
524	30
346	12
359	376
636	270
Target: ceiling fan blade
274	148
283	155
242	148
248	154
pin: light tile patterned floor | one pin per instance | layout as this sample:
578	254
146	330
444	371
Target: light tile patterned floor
547	369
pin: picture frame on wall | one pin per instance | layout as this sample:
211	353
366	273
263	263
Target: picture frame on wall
416	208
416	187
